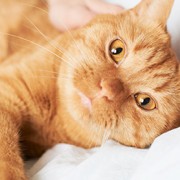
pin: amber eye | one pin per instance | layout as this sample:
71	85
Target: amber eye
145	101
117	50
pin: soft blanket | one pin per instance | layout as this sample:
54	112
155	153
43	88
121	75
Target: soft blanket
112	161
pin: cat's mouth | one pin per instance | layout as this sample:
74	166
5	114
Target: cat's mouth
86	101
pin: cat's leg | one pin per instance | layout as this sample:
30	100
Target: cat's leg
11	163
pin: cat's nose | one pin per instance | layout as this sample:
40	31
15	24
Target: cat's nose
110	88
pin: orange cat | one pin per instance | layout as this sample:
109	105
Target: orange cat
115	78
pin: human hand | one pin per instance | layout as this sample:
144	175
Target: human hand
70	14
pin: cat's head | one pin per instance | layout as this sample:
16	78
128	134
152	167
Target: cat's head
122	76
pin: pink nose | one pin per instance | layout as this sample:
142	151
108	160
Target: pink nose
110	88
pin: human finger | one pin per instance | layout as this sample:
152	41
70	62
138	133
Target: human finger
102	7
67	17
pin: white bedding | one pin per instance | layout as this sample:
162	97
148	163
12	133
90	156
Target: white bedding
113	161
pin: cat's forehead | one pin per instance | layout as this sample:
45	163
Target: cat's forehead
128	27
137	35
147	48
140	38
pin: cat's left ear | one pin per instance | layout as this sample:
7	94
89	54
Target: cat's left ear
154	10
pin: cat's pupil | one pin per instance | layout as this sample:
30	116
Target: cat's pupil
145	101
116	50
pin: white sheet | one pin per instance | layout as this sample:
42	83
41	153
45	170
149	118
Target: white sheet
66	162
112	161
162	161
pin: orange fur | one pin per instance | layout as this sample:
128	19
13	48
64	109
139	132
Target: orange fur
42	83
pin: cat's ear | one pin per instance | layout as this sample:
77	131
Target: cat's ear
154	10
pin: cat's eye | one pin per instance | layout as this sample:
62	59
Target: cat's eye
145	101
117	50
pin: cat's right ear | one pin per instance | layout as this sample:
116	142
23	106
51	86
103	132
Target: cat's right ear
154	10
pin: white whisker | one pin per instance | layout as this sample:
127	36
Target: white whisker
30	5
46	49
42	76
49	40
47	71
